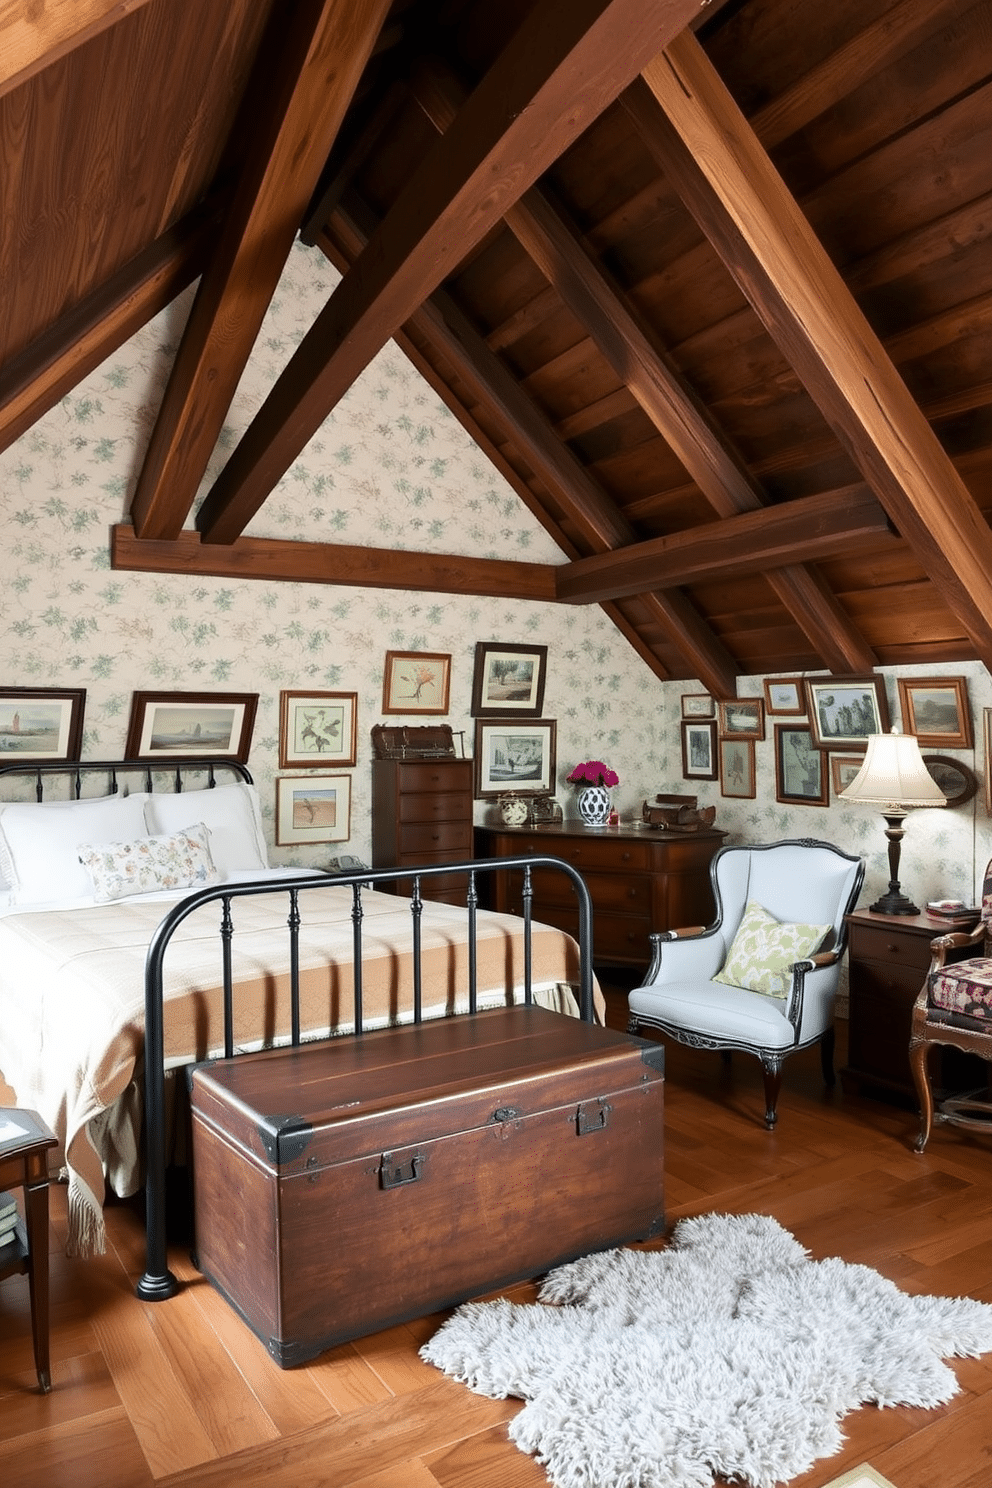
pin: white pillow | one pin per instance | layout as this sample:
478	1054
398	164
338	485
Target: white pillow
231	814
40	842
120	869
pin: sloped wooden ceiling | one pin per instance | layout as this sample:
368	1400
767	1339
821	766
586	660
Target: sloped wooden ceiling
712	287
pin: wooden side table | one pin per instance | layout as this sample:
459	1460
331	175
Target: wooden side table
888	957
24	1144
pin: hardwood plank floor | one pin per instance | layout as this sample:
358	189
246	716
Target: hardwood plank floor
182	1393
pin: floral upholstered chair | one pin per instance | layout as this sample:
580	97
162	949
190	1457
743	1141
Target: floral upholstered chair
955	1007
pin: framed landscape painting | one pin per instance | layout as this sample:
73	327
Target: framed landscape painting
784	695
312	808
515	756
40	724
843	711
936	710
508	680
168	725
742	718
317	728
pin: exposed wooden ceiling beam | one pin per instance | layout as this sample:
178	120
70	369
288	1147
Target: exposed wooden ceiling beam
580	499
32	383
817	526
35	35
326	47
560	69
669	402
714	160
331	563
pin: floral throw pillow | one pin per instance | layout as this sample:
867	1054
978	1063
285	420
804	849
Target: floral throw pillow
120	869
765	949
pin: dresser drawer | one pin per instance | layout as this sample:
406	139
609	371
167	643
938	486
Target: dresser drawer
608	892
448	806
892	950
415	839
585	853
434	775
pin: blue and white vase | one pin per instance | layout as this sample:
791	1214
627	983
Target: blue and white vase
594	805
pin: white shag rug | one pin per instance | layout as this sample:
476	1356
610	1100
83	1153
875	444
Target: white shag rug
730	1352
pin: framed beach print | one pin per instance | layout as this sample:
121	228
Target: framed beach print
416	682
41	724
843	711
312	808
936	710
697	705
784	695
698	749
508	680
843	768
737	767
166	725
317	728
742	718
800	768
515	756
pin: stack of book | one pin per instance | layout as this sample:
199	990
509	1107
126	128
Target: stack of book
8	1218
952	910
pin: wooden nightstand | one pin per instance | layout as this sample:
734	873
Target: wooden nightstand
24	1164
888	957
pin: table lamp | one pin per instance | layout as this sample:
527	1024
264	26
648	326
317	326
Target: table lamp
894	776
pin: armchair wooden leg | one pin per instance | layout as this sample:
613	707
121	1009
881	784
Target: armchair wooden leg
918	1051
827	1056
772	1067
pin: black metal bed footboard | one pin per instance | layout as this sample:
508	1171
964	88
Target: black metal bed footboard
158	1282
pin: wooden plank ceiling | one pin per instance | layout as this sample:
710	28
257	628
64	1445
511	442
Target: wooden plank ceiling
711	287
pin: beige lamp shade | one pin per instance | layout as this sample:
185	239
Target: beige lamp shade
894	773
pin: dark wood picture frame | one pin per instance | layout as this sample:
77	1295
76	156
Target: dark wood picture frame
214	724
843	768
317	728
697	705
844	711
742	718
937	711
41	725
957	780
508	680
801	777
785	696
416	682
518	755
699	758
737	772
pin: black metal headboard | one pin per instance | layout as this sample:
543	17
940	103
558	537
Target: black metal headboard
74	770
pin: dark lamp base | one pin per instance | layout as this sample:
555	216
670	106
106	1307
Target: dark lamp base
894	903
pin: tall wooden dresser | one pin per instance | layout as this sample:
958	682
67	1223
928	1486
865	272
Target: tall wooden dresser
421	817
639	881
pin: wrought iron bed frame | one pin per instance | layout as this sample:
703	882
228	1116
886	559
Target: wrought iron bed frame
158	1282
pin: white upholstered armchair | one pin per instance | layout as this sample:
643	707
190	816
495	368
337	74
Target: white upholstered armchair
763	976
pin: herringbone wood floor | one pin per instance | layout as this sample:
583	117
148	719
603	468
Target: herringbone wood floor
181	1392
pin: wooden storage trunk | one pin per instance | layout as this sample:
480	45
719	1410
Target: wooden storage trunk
346	1186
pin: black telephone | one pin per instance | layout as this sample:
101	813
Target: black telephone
346	863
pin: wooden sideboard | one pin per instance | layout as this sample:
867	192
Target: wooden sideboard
640	880
422	816
888	957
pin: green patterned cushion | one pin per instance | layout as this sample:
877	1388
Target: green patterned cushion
765	949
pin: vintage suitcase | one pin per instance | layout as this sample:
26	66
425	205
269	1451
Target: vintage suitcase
346	1186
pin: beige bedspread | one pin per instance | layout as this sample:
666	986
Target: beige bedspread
72	1002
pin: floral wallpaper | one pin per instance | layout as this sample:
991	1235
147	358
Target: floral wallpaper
390	467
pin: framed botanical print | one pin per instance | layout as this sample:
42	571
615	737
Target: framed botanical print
165	725
317	728
784	695
699	749
844	711
843	768
416	682
936	710
515	756
508	680
800	768
40	725
742	718
737	767
312	808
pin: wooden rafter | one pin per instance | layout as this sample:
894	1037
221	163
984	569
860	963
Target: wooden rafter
714	160
33	36
565	63
326	48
